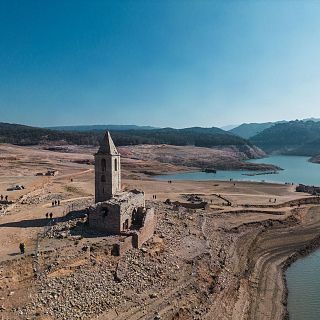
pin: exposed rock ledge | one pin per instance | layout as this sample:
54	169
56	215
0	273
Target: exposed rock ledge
219	158
315	159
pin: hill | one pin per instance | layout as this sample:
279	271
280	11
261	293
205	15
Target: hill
229	127
294	137
196	136
26	135
248	130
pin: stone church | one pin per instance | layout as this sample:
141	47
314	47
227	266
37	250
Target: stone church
117	212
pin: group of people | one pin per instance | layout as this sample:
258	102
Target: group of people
169	181
2	197
154	196
273	200
55	203
49	215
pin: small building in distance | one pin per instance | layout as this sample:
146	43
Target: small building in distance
117	212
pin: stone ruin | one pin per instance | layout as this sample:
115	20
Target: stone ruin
116	212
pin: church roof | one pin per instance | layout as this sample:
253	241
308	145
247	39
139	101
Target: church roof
107	145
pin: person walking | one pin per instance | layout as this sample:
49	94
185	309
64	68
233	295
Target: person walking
51	215
22	248
47	215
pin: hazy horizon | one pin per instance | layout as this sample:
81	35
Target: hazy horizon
164	64
224	127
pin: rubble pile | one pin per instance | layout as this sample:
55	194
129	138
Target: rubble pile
103	283
183	272
63	229
3	209
99	286
38	198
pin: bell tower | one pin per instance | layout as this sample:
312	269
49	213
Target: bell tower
107	170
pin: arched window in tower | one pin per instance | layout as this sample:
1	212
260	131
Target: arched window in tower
103	164
103	178
115	165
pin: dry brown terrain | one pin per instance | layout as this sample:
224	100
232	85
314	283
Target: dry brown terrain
223	158
225	262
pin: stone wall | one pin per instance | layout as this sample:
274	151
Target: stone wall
146	231
132	202
105	217
199	205
115	215
121	247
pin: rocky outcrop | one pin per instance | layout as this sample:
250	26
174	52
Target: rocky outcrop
219	158
315	159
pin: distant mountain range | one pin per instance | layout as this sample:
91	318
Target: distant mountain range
294	137
101	127
197	136
248	130
229	127
283	137
26	135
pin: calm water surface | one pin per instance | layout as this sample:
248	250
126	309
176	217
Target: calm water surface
296	170
303	280
303	277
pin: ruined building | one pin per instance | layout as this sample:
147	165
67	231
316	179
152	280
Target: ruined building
117	212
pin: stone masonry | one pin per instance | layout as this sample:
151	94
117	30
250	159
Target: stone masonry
116	212
107	170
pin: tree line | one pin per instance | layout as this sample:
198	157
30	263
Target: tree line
201	137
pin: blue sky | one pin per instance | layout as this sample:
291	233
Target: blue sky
163	63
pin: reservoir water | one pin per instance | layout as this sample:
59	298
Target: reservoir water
303	280
296	169
303	276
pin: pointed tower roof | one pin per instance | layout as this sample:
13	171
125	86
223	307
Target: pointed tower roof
107	146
